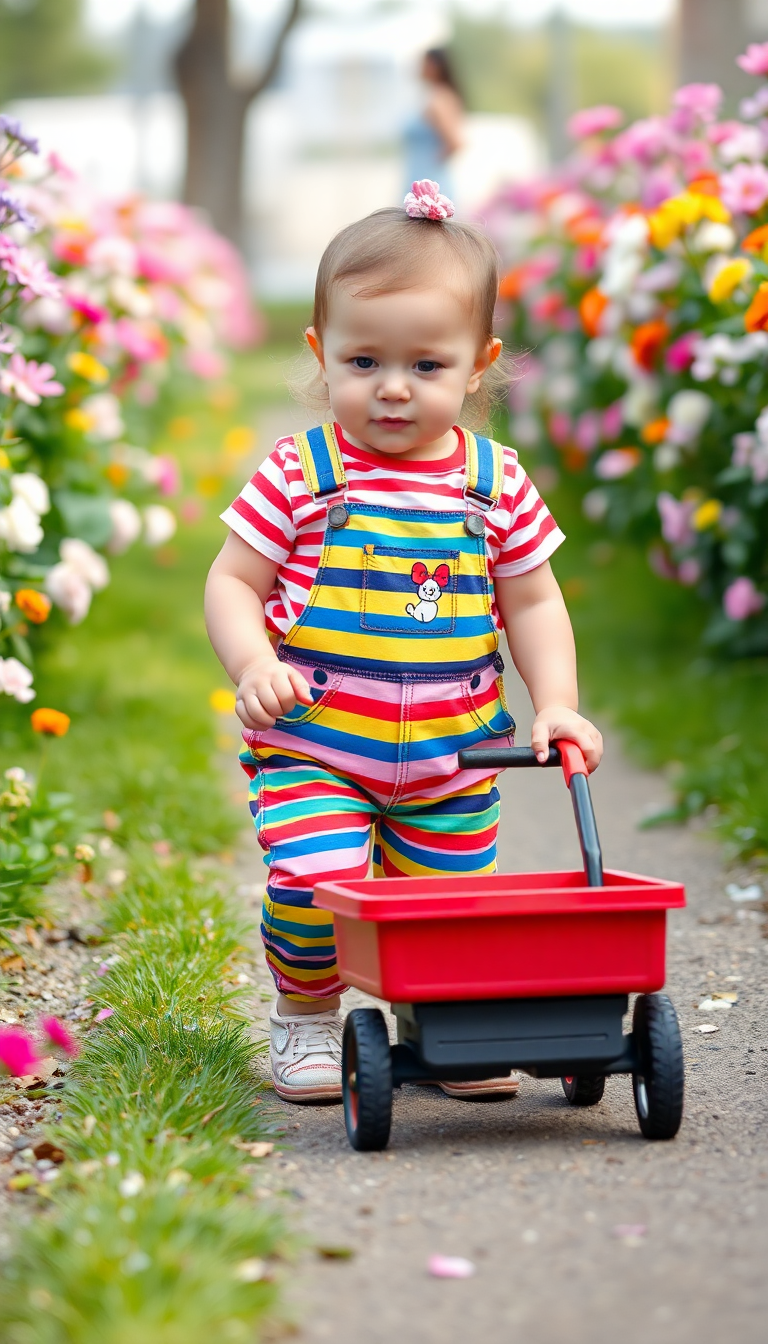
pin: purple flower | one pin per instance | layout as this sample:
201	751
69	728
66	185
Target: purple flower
745	188
593	120
755	59
30	272
12	129
675	517
741	598
12	211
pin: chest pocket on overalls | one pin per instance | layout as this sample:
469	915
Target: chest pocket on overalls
409	592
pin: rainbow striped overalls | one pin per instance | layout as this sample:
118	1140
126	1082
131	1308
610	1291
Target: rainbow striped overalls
398	644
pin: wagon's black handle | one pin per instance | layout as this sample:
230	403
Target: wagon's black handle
575	771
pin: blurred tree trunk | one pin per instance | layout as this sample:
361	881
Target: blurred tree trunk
216	109
710	35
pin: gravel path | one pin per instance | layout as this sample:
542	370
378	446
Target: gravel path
533	1191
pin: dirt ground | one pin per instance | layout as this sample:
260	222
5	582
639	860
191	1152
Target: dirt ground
577	1227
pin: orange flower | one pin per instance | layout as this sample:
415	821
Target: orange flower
647	340
586	230
513	283
706	184
591	309
51	722
117	473
655	431
756	241
35	606
756	316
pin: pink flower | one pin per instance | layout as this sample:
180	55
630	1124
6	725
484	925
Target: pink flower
425	201
560	427
755	59
90	311
17	1053
587	432
644	141
689	571
28	381
617	462
702	100
613	419
681	353
166	474
16	680
593	120
103	1014
675	517
208	364
745	188
742	599
58	1035
33	274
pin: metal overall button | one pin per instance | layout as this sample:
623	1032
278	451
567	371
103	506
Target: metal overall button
474	525
338	515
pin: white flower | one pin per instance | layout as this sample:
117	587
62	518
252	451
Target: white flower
666	456
69	591
29	487
594	505
20	526
104	411
713	237
664	275
113	255
159	524
688	412
126	525
16	680
128	296
53	315
620	274
562	389
641	307
5	601
86	562
601	351
639	401
131	1184
16	773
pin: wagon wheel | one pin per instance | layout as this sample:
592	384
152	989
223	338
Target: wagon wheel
584	1091
366	1079
658	1085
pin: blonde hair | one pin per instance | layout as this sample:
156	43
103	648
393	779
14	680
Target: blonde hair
390	251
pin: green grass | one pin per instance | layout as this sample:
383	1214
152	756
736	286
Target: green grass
641	666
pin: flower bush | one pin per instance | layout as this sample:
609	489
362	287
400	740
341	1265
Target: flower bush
37	832
638	291
104	307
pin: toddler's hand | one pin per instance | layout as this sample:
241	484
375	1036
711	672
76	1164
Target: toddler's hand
557	721
267	689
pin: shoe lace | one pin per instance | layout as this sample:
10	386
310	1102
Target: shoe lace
318	1038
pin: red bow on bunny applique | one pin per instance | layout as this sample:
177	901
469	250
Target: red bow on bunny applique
420	574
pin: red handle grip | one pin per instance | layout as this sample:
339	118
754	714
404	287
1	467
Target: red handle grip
571	759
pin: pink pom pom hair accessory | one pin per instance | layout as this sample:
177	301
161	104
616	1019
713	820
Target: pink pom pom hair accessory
425	201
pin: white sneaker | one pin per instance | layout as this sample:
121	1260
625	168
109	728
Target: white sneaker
305	1054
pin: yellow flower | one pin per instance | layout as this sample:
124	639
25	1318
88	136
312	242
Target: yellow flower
117	474
209	486
35	606
75	418
707	514
88	367
182	427
5	461
679	212
728	278
239	440
222	701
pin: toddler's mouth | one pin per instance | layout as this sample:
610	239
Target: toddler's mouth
392	422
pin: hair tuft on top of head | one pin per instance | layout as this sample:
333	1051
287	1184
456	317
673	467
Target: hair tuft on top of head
426	201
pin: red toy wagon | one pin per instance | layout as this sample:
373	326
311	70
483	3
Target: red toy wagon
527	971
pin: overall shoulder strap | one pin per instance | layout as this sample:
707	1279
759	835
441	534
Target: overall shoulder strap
321	464
484	470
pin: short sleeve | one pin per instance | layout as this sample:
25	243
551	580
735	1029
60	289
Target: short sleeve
262	514
532	533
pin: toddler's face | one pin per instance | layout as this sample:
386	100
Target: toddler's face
398	367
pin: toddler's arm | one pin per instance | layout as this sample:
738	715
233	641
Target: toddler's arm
239	583
541	642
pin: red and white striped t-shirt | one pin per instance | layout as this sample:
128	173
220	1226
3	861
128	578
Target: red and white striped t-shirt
276	515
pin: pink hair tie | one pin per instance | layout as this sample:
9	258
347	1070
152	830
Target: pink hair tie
425	201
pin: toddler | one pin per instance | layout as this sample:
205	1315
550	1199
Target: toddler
357	603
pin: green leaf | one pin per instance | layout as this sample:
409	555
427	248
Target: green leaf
21	649
85	516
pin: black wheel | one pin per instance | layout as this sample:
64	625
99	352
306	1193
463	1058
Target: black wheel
658	1085
366	1079
584	1091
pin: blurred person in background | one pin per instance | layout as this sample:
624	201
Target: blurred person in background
435	132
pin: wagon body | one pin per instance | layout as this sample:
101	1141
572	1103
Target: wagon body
507	935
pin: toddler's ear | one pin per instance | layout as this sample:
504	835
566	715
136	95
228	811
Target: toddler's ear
488	356
316	346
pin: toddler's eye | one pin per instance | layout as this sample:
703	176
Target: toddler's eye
427	366
363	362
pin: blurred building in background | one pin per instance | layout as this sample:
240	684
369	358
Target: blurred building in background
323	143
